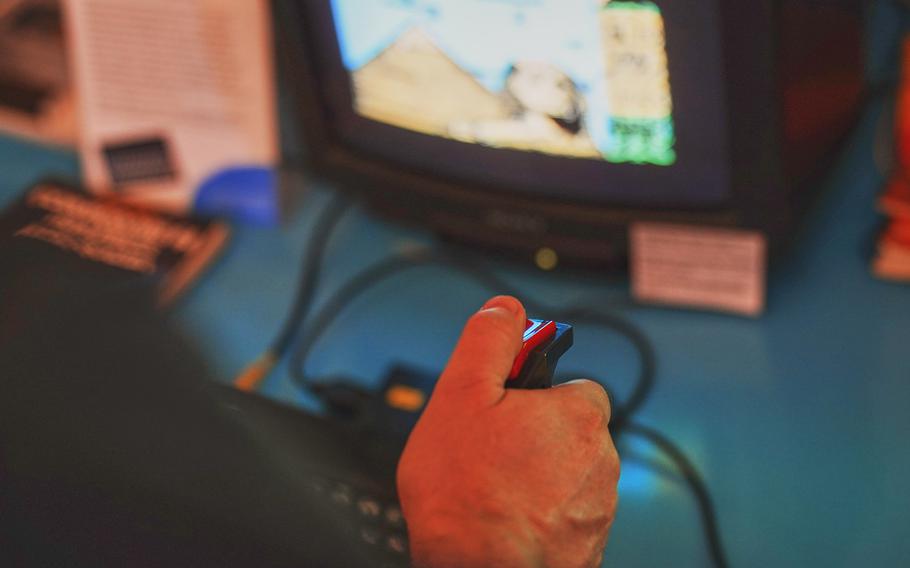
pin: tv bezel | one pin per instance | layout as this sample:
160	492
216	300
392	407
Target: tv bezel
760	196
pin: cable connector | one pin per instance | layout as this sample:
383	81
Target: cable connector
249	379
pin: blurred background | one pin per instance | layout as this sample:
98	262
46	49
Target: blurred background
713	195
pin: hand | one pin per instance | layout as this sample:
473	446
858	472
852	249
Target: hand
497	477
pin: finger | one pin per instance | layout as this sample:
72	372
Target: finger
591	391
483	357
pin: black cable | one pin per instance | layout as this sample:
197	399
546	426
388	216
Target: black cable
359	284
646	374
489	280
696	483
310	269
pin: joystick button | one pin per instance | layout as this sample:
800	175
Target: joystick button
537	332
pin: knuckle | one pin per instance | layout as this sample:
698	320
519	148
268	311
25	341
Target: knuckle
596	391
587	415
611	459
590	397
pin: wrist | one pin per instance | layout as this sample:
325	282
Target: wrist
472	543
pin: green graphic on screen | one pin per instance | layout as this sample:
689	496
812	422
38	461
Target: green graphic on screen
638	84
580	78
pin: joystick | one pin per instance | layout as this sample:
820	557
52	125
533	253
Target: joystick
544	342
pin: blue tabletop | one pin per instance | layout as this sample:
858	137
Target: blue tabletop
798	420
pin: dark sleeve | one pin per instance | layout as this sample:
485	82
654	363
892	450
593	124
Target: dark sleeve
116	450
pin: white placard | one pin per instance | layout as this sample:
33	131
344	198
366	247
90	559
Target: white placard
720	269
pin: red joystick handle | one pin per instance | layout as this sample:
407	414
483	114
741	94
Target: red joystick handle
537	332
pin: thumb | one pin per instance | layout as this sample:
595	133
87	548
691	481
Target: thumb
483	357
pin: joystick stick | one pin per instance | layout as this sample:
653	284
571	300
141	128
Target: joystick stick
544	342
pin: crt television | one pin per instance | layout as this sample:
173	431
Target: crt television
520	125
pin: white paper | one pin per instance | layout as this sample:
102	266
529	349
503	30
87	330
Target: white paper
721	269
195	75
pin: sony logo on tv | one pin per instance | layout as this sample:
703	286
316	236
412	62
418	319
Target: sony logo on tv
516	222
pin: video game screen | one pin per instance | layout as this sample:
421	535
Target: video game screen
586	79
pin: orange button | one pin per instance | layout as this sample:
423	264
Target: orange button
405	398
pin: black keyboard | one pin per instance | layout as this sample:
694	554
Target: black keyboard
347	468
375	518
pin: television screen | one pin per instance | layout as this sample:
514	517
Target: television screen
599	101
574	79
527	124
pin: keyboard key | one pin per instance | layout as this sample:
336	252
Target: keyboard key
369	507
370	535
397	543
342	494
393	516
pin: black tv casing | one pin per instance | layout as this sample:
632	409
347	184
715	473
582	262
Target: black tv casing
793	83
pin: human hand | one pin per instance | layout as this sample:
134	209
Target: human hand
505	477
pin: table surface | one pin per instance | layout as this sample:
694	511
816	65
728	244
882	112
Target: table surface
798	420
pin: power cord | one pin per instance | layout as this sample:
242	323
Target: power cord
486	278
310	269
696	483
